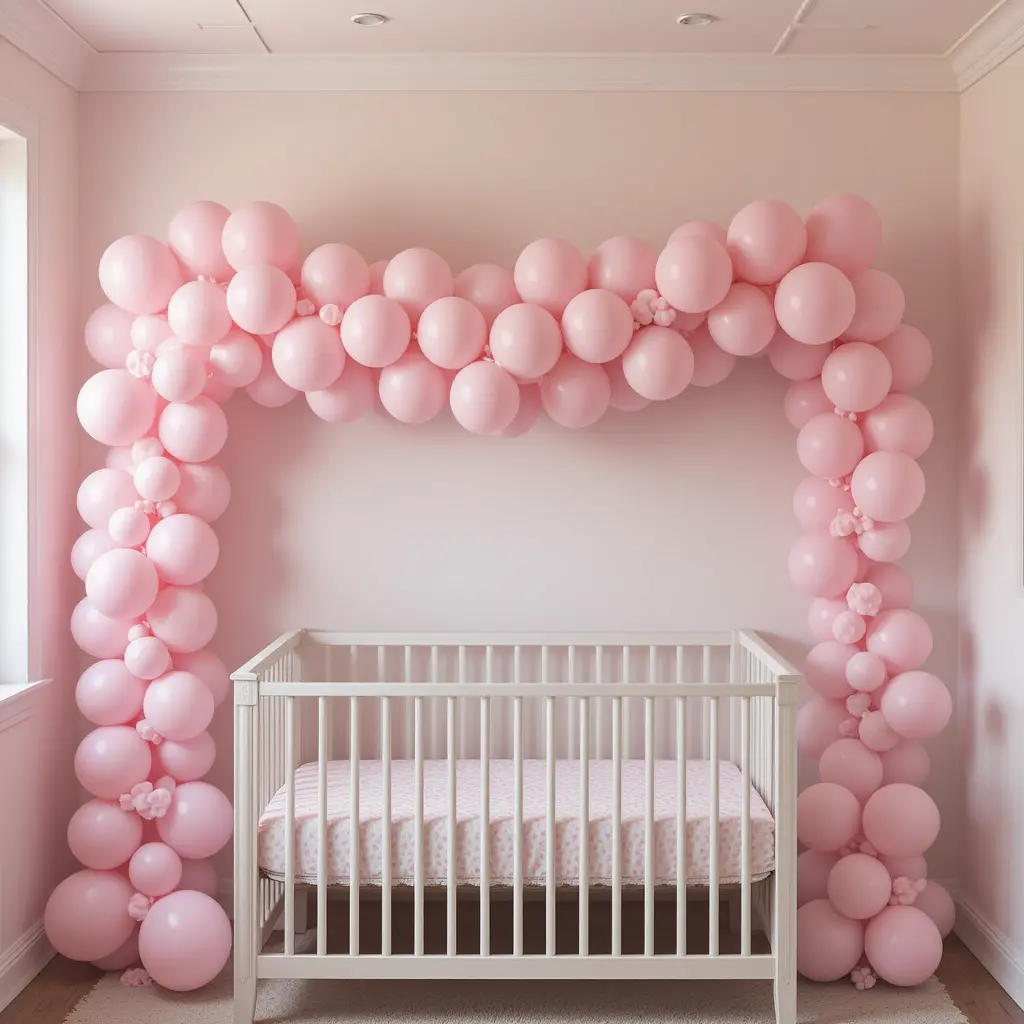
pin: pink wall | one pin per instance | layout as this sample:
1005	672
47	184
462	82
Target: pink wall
677	518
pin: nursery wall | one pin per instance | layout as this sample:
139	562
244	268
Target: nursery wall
675	518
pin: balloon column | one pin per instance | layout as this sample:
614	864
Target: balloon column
229	303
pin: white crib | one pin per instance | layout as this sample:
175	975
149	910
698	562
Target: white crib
454	755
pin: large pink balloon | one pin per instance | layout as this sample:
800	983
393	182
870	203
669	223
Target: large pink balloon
711	364
846	231
261	299
936	902
880	306
829	446
86	916
488	287
828	945
139	274
895	583
185	941
812	870
96	634
902	639
194	236
825	669
484	398
658	363
126	956
116	408
623	265
108	335
452	332
917	705
236	359
193	431
375	330
885	542
416	278
210	669
859	886
184	618
147	657
903	946
530	409
351	396
743	323
108	694
818	725
822	565
623	397
204	490
308	354
413	389
185	760
828	817
179	373
888	486
816	502
183	548
575	393
900	423
261	233
804	400
597	326
335	274
526	340
850	764
793	360
198	313
102	493
199	822
102	836
910	355
907	762
694	273
814	303
87	548
268	389
901	820
155	870
856	377
766	241
549	272
122	584
112	759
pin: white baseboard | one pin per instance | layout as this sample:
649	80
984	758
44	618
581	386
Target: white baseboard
22	961
994	950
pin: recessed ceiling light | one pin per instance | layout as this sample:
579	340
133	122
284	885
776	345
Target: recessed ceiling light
696	20
368	20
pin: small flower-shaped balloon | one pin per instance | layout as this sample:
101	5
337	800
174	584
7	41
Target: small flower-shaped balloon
140	364
905	891
864	599
138	907
863	978
651	308
330	314
150	735
844	525
136	977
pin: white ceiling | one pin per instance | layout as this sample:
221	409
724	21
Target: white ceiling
820	27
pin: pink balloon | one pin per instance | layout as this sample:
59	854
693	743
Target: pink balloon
822	615
910	355
888	486
194	236
120	959
452	333
917	704
793	360
846	231
704	228
856	377
694	273
816	502
907	762
902	639
108	694
829	446
530	408
335	274
880	306
193	431
822	565
183	548
147	658
812	870
416	278
210	669
199	875
179	373
711	364
108	335
375	330
488	287
804	400
308	354
112	759
139	274
116	408
157	478
743	323
86	916
859	886
817	725
828	945
199	822
185	941
102	493
814	303
204	490
261	299
848	763
484	398
903	945
825	669
96	634
575	393
914	868
184	618
149	332
936	902
766	240
623	265
413	389
377	277
268	389
885	542
129	527
260	233
526	340
828	817
351	396
900	423
198	313
236	360
597	326
155	870
88	548
549	272
849	627
122	584
901	820
658	363
102	836
876	733
865	672
185	760
623	397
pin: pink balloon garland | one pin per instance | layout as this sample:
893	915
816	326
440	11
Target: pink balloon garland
229	303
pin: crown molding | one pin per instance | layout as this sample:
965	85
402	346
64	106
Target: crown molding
990	42
49	40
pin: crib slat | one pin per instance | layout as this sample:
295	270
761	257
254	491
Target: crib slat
745	827
353	883
289	826
453	825
626	659
485	819
410	737
599	711
517	835
584	913
436	745
322	754
649	826
680	822
705	678
616	826
713	886
385	826
549	833
418	837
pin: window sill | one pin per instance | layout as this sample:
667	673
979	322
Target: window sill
14	697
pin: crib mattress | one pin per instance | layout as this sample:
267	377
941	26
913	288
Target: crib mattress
272	832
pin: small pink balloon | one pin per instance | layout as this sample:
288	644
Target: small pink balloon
375	330
86	916
112	759
899	423
157	478
856	377
704	228
139	274
351	396
658	363
865	672
825	669
147	658
936	902
888	486
812	870
484	398
108	336
116	408
122	584
549	272
711	364
766	240
880	306
260	233
185	760
89	546
907	762
829	446
308	354
185	941
488	287
804	400
903	946
268	389
822	615
178	705
526	340
155	870
413	389
183	548
849	627
193	431
126	956
694	273
236	360
859	886
179	373
822	565
623	265
149	332
194	236
818	725
530	408
902	639
848	763
575	393
199	876
743	323
814	303
204	490
416	278
901	820
917	705
108	694
452	332
198	313
828	817
885	542
96	634
910	355
793	360
185	619
261	299
199	822
828	945
623	397
102	493
210	669
846	231
597	326
876	733
816	502
335	274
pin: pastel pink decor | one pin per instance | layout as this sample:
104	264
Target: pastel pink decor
185	941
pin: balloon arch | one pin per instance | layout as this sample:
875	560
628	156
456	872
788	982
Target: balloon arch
228	302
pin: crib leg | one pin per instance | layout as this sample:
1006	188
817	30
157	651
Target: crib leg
785	999
245	995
